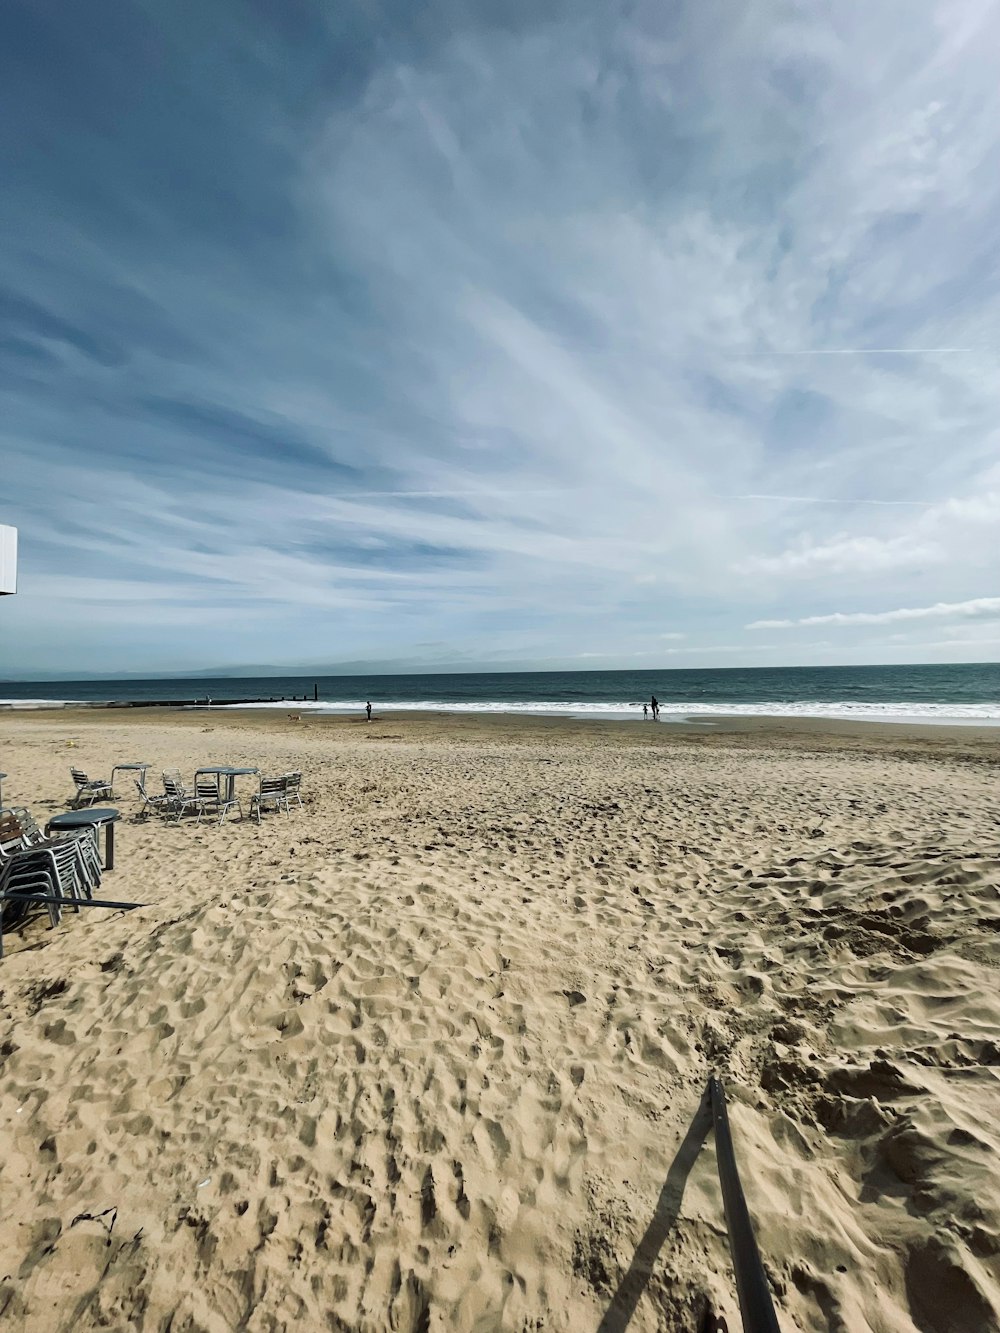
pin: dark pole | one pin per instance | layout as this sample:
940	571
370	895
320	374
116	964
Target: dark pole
756	1307
70	902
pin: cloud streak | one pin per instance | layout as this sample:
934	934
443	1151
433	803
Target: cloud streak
599	325
977	608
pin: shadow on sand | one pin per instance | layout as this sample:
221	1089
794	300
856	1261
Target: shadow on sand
668	1207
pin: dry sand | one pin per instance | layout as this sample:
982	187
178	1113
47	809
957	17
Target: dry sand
429	1054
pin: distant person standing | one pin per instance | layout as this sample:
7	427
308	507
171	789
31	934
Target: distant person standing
645	712
656	708
368	709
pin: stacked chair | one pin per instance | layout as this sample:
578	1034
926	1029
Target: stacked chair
65	869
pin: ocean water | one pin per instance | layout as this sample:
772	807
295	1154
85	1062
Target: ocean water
966	692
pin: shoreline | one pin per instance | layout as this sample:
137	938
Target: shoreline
679	717
961	740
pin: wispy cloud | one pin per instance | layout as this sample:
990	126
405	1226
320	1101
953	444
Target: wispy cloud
871	351
831	500
977	608
520	338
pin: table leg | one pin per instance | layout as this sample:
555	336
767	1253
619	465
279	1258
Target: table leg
230	796
109	847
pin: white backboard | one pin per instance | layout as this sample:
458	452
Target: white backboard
8	559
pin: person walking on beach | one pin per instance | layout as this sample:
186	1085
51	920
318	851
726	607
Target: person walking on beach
656	709
645	712
368	709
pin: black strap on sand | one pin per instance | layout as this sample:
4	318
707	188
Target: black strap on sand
756	1307
68	902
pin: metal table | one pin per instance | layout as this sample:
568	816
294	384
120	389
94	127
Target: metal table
227	799
96	818
130	768
2	776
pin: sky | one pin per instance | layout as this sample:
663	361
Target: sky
494	335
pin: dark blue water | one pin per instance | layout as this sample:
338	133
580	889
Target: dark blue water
969	691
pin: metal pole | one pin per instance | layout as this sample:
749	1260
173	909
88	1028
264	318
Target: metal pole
756	1307
67	902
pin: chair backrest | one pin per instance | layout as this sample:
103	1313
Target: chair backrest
272	786
293	781
11	833
172	785
207	789
79	777
29	828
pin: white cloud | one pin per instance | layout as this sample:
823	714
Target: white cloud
847	555
568	334
977	608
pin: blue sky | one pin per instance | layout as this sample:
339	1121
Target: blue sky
499	334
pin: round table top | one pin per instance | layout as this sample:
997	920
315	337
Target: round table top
80	818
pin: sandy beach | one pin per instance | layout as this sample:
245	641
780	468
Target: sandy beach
430	1053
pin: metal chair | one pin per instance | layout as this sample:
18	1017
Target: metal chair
273	791
18	882
89	789
293	787
85	840
179	800
11	834
31	834
151	803
207	790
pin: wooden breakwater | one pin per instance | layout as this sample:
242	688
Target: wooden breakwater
31	704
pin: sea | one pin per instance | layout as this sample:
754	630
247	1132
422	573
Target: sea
959	693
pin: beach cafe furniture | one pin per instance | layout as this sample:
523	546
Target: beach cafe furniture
20	832
141	769
86	838
54	873
293	786
277	792
208	790
225	797
88	789
159	805
2	776
23	876
62	871
94	819
178	800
